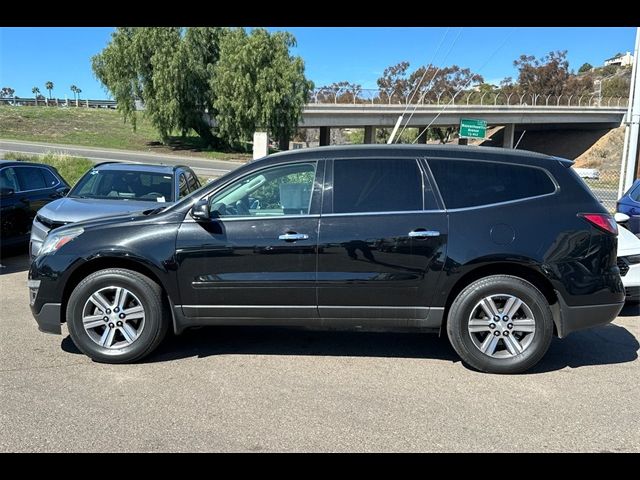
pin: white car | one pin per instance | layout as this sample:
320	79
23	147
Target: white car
628	259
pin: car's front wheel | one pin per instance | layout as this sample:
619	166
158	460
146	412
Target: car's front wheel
500	324
116	316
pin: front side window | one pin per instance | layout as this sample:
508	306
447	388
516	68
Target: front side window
30	178
376	185
9	180
466	183
182	186
125	185
276	191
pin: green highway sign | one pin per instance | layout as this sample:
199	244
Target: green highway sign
472	128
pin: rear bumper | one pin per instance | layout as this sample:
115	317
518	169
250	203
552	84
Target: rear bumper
48	318
586	316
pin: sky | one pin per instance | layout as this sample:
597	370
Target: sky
31	56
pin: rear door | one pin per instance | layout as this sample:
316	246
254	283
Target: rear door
382	241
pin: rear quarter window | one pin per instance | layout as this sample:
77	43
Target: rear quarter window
468	183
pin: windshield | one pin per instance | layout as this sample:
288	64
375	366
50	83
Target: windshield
125	185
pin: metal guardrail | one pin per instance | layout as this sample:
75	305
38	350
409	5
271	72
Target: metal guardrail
58	102
380	96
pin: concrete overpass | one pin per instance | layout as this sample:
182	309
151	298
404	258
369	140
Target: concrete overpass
372	116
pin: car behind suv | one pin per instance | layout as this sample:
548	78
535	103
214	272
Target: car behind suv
25	187
113	188
499	249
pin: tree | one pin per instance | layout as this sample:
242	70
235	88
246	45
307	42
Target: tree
550	75
7	92
431	84
258	85
339	92
36	93
586	67
168	70
616	86
49	86
74	89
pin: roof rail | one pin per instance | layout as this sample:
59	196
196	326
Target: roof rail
105	163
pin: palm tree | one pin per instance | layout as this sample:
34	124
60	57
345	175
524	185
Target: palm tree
74	89
49	86
36	92
78	91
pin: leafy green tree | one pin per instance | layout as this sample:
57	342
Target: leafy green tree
49	86
586	67
257	84
36	94
7	92
616	86
167	70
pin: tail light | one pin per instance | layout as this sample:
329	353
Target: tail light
603	221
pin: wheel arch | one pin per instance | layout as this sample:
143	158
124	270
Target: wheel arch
102	263
533	276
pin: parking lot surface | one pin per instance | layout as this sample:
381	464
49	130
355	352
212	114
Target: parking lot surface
274	389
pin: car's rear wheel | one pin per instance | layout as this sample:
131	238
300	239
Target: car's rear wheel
500	324
116	316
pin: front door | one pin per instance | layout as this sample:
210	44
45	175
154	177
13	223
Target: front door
257	260
382	242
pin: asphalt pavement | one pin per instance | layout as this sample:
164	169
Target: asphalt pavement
274	389
200	165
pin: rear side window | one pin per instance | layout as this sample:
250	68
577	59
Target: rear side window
376	185
184	188
49	178
464	183
30	178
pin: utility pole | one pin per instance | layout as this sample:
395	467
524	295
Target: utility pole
632	132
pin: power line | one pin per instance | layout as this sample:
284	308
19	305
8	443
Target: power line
465	86
424	94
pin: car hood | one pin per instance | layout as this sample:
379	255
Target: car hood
67	210
628	243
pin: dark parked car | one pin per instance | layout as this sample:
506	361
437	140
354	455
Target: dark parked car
25	188
629	204
113	188
500	249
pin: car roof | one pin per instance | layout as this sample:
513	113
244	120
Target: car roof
397	150
18	163
138	167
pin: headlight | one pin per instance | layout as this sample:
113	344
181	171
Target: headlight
633	259
56	240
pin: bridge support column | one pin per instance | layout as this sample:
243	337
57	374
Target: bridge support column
423	137
370	134
463	141
325	136
509	130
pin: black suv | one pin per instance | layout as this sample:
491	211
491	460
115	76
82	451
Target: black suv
25	187
500	249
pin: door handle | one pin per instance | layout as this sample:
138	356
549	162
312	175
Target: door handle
292	237
423	233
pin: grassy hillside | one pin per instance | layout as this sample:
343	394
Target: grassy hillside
95	128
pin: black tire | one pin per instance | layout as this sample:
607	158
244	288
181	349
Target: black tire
463	306
146	290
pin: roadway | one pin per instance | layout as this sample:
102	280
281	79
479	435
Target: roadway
277	390
202	166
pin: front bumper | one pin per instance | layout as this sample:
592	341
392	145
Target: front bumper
631	280
585	316
48	318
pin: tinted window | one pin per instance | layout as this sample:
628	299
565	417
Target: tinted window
469	184
123	185
183	187
8	179
49	178
283	190
635	194
192	181
376	185
30	178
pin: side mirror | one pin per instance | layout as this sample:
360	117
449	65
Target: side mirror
200	211
621	217
63	191
6	192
